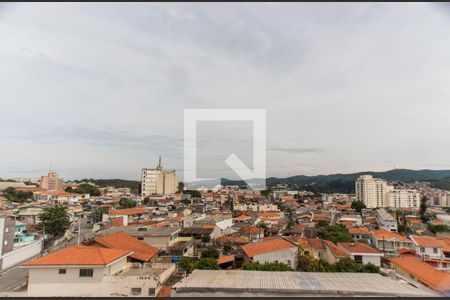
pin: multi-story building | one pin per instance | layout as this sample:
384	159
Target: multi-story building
376	192
404	199
52	181
373	192
158	181
386	221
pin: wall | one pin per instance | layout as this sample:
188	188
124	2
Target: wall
287	256
20	255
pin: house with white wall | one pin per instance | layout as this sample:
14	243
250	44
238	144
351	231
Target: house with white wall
85	271
274	250
362	253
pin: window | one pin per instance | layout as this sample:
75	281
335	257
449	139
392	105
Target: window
62	271
136	291
140	238
151	291
86	272
435	250
358	259
422	249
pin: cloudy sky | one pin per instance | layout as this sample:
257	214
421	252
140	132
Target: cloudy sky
98	90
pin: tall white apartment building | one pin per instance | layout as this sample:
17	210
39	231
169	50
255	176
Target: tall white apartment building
158	181
373	192
376	192
404	199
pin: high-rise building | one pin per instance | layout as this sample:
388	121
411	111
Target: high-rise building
404	199
158	181
373	192
376	192
52	181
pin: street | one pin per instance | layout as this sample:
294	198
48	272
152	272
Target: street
17	276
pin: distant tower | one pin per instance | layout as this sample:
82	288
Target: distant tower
159	164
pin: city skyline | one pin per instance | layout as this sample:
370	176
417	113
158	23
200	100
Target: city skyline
101	94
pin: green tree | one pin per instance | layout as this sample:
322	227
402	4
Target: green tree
207	263
308	263
206	239
14	195
210	253
346	264
185	264
335	233
423	209
127	203
193	193
358	205
54	220
273	266
438	228
86	188
227	247
323	223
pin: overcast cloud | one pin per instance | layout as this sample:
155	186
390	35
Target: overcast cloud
98	90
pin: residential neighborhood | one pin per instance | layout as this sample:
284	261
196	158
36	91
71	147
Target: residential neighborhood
111	241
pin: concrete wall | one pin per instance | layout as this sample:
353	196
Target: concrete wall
47	282
20	255
287	256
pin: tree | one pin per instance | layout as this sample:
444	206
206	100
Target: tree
358	206
207	263
438	228
185	264
273	266
69	189
127	203
423	209
14	195
206	239
210	253
193	193
54	220
308	263
86	188
227	247
335	233
323	223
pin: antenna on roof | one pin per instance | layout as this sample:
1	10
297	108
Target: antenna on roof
50	168
159	164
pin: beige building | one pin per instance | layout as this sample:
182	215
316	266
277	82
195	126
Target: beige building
376	192
83	271
158	181
52	181
373	192
404	199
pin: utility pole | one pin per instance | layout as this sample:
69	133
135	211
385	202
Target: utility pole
79	229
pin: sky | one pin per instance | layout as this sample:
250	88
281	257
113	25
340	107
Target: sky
98	90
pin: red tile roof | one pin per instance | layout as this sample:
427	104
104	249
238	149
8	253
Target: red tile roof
128	211
232	239
80	255
165	291
121	240
427	241
361	230
381	234
358	248
242	218
423	272
267	247
337	252
225	259
251	230
316	243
